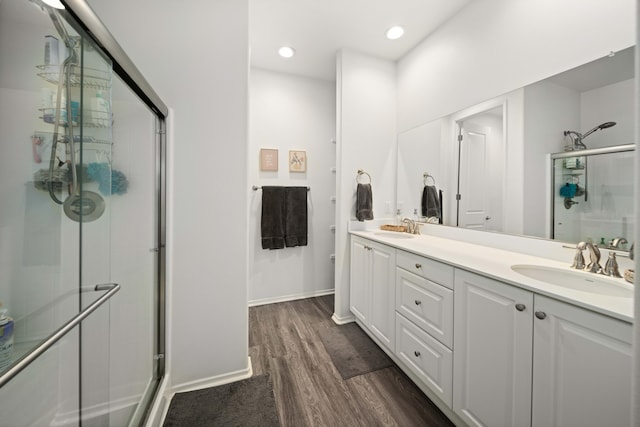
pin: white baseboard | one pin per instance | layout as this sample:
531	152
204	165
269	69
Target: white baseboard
216	380
342	320
292	297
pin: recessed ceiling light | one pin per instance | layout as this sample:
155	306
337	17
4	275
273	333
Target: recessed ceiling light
286	51
54	3
395	32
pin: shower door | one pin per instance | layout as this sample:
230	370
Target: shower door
80	267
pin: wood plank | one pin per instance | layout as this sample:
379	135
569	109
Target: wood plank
308	389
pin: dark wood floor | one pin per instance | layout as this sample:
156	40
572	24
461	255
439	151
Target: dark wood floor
308	389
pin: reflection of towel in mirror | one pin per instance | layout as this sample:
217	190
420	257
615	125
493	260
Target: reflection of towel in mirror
430	202
364	202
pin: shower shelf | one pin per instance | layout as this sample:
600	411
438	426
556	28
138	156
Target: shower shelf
89	78
96	119
89	142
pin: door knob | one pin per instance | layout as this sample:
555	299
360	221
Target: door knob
520	307
541	315
418	302
418	265
417	353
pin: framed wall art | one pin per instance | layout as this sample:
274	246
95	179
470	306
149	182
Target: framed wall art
268	159
297	161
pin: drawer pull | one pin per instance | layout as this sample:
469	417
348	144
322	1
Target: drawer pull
520	307
541	315
417	353
418	265
417	302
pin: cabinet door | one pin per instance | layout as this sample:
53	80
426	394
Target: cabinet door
359	295
383	293
492	352
581	368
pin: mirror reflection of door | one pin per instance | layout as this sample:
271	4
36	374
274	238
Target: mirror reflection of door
473	211
481	171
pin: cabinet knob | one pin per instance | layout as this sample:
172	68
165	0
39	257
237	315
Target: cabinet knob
520	307
418	265
541	315
418	302
417	353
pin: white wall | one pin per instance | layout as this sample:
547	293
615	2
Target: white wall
366	93
292	113
549	110
195	55
495	46
611	103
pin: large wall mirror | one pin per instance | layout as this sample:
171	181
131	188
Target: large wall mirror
500	165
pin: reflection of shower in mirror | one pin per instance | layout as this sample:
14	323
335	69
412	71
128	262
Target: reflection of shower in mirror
577	137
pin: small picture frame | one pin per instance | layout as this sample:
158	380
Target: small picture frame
297	161
268	159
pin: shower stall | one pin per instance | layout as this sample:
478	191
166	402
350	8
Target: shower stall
82	222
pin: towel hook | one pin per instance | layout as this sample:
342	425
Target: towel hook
426	177
360	173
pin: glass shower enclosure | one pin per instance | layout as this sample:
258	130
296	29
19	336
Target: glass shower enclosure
81	223
593	195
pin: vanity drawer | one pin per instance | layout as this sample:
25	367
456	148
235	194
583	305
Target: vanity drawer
425	303
429	269
426	358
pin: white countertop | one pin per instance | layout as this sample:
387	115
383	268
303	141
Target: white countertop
496	263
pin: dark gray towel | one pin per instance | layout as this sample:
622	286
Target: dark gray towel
295	224
430	202
273	217
364	202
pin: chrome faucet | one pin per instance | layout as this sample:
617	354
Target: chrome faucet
594	258
412	226
615	243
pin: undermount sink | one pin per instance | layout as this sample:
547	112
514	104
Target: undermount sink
578	280
393	234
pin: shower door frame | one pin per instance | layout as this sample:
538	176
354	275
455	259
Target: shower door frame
576	153
88	23
124	68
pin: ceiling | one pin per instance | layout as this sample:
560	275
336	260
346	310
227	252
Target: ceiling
317	29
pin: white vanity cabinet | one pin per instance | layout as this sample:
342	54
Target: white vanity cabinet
424	321
523	359
493	352
372	290
581	367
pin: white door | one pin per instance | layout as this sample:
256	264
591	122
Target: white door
383	294
475	183
492	354
582	367
359	279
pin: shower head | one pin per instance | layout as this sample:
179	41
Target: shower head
602	126
577	141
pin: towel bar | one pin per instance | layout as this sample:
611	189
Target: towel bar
257	187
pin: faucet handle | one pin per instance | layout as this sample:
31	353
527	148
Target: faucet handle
578	259
611	267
